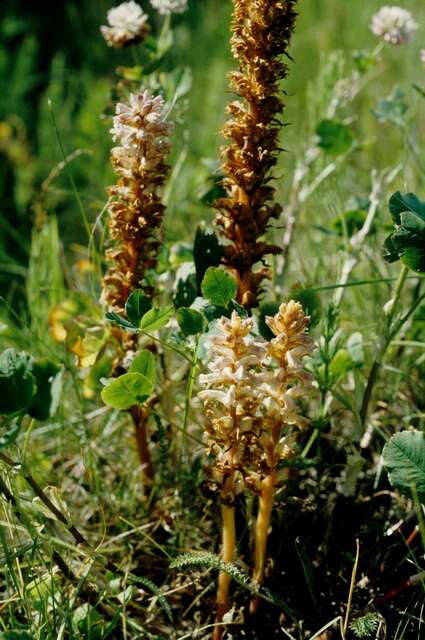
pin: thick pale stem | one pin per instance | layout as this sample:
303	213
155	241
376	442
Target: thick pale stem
261	532
227	555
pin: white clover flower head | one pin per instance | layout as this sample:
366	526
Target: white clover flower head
165	7
422	56
128	23
393	25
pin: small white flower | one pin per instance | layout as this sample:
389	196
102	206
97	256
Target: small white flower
393	25
165	7
127	24
422	56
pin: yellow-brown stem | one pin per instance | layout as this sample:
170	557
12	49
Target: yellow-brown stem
227	555
140	417
265	505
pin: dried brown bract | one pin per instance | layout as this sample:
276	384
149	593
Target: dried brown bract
261	34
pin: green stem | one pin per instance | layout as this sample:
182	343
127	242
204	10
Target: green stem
188	398
374	372
312	439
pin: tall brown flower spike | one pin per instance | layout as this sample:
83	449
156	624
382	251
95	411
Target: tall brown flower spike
136	210
135	217
261	34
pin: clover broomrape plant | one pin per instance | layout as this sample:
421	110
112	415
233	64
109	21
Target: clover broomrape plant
253	420
135	215
261	34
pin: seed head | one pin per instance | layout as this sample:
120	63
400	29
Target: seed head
128	24
393	25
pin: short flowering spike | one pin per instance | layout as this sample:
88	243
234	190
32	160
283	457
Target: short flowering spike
231	406
253	418
261	34
252	391
393	25
165	7
136	210
128	24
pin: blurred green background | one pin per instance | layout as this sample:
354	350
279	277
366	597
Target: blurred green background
53	51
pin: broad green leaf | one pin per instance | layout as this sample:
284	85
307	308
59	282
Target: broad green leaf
407	242
156	318
400	202
190	321
144	363
207	252
414	258
404	457
137	305
115	318
17	383
218	286
16	635
390	252
127	390
413	223
44	373
341	364
334	137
